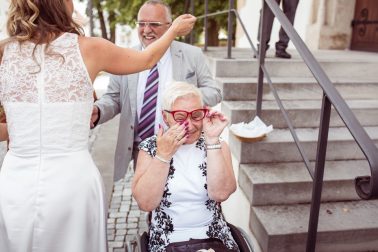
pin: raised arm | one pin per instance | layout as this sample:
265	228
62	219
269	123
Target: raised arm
152	171
102	55
3	132
221	182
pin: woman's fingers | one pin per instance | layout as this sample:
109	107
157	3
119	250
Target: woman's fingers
184	24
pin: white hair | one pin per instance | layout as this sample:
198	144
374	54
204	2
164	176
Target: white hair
177	90
162	3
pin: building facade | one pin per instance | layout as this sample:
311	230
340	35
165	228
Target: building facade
322	24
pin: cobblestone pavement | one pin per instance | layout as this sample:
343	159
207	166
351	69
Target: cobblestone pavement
124	218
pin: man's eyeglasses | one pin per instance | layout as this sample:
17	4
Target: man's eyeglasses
152	25
182	115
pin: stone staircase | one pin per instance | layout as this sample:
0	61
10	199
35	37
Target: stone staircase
271	172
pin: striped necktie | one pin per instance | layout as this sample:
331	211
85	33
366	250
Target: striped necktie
146	124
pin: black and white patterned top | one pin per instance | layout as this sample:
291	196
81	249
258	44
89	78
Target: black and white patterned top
185	210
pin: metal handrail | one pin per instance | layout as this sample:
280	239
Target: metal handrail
306	161
366	186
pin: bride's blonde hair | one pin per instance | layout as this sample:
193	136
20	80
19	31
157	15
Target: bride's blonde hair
39	20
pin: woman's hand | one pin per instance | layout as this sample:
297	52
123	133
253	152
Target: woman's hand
213	125
168	142
183	24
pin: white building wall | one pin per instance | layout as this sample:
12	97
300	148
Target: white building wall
249	11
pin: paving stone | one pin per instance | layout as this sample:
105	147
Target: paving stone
132	219
111	237
118	215
120	220
115	244
110	231
115	205
121	226
131	225
124	208
134	213
125	219
118	187
119	250
133	207
120	238
117	193
116	199
121	232
132	231
127	191
142	224
129	237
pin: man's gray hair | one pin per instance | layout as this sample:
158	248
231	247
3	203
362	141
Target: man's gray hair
178	90
160	2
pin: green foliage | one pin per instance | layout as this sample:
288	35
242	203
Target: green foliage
126	11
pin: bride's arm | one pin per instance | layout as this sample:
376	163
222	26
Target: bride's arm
3	132
102	55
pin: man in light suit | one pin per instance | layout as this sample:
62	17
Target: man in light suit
125	94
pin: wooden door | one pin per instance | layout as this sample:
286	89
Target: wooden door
365	26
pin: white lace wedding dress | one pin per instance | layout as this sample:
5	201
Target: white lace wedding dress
51	192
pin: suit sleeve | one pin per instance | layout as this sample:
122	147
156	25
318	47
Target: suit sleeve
109	104
206	83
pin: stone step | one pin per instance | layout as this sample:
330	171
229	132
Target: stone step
343	226
344	64
291	183
303	113
279	146
290	88
291	68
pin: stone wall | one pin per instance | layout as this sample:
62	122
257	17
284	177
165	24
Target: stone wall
249	11
330	24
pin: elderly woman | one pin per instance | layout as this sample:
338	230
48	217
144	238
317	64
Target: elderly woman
183	173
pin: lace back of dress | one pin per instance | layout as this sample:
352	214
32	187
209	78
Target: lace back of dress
51	74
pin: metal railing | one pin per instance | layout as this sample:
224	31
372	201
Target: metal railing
366	186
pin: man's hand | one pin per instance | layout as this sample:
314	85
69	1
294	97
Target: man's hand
94	117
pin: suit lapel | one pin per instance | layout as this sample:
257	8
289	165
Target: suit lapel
177	62
133	88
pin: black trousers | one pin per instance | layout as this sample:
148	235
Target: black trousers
289	7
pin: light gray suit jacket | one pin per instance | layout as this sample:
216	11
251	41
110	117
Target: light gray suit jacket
189	65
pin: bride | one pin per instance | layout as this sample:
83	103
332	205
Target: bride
51	193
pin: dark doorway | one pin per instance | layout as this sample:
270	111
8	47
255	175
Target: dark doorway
365	26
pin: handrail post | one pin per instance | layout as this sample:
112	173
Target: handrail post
229	29
261	51
205	24
319	173
192	12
